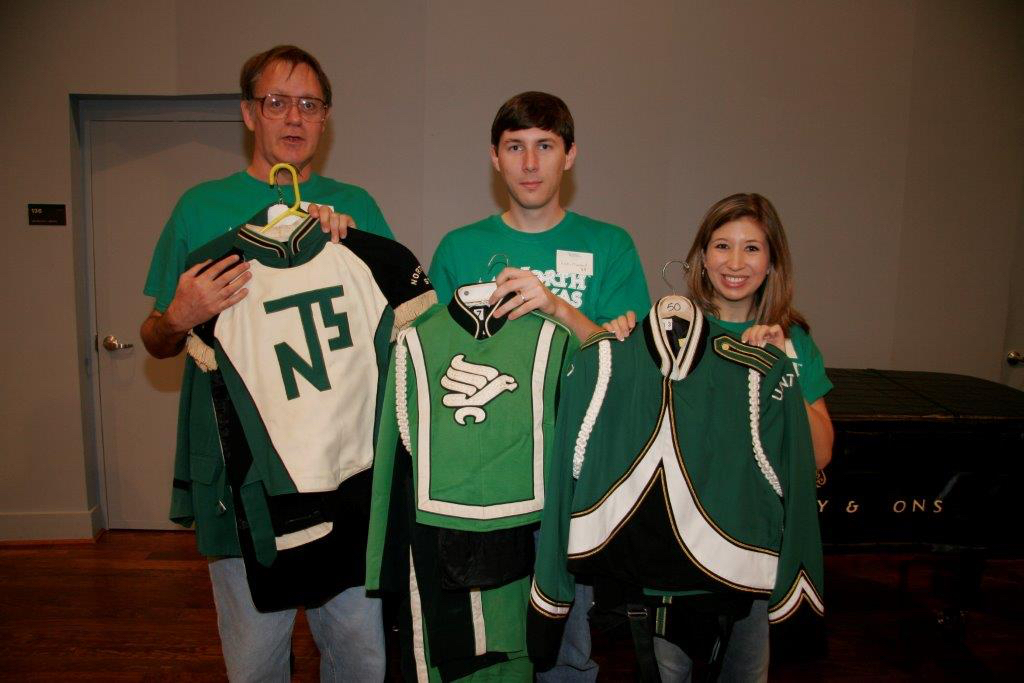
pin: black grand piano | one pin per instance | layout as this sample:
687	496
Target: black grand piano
923	459
929	463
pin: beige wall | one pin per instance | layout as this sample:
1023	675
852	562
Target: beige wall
888	134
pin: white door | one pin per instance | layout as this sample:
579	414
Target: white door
136	170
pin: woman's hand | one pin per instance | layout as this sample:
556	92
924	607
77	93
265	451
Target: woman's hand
762	335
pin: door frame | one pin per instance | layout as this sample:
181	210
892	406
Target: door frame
86	109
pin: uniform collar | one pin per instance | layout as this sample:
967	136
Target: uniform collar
477	321
675	351
305	242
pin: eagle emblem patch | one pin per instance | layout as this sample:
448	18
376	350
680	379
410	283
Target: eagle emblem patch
473	386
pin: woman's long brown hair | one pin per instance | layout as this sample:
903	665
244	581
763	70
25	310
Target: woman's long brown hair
773	301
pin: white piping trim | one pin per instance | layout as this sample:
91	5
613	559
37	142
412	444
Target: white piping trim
419	650
676	366
802	590
540	371
476	607
546	606
754	393
303	536
422	456
401	392
682	367
604	374
664	355
752	568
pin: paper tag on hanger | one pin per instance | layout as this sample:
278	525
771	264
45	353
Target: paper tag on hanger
574	262
666	324
476	295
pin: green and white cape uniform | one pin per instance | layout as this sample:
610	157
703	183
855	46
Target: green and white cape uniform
686	468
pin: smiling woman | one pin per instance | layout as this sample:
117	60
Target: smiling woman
741	272
741	275
737	262
742	237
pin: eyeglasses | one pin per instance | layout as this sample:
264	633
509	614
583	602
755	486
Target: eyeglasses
276	106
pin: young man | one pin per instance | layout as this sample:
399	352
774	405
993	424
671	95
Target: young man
286	99
580	271
573	268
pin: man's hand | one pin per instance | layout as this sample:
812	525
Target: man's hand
335	223
530	294
622	325
198	297
762	335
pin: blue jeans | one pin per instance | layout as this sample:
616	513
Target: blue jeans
746	656
574	662
348	631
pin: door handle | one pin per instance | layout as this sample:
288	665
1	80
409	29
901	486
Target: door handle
110	343
1015	357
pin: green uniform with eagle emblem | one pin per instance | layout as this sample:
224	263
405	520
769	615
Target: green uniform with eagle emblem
469	412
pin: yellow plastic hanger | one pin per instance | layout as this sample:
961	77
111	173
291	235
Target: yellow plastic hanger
294	209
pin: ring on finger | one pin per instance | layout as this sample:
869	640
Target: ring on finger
522	296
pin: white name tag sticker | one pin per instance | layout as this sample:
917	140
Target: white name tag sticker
574	262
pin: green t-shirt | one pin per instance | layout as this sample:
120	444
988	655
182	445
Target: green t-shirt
212	208
592	265
809	364
200	491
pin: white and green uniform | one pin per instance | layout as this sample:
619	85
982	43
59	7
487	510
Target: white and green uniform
691	471
468	421
200	497
295	368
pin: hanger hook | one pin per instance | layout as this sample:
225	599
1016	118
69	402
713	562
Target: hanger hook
272	180
491	261
664	272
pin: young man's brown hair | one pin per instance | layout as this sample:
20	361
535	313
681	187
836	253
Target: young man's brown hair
534	110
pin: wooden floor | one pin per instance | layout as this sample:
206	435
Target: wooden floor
137	606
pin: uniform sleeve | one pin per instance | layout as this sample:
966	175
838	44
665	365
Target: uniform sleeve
383	475
442	273
182	509
623	286
810	364
398	273
799	582
169	256
554	587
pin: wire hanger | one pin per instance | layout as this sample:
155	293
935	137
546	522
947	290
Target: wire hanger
294	209
491	261
664	273
676	313
476	295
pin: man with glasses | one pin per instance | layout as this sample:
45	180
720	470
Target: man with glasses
286	100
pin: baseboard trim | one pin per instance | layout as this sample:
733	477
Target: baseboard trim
84	525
